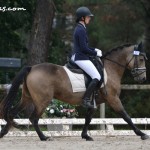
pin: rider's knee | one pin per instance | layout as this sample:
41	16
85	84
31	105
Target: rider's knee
98	77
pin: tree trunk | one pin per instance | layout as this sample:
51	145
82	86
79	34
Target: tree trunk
40	33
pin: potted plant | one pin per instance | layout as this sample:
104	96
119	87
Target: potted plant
58	109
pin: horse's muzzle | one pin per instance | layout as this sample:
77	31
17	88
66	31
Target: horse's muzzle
140	79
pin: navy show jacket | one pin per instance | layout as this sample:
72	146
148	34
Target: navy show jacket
80	44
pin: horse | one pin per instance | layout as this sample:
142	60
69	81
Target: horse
45	81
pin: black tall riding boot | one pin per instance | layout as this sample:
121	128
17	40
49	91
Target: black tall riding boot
86	98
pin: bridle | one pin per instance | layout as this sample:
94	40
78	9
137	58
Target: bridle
136	71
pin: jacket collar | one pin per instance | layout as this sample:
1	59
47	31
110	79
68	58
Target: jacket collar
80	24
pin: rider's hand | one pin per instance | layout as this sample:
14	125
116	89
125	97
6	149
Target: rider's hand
99	52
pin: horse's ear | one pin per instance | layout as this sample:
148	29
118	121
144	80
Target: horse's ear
140	47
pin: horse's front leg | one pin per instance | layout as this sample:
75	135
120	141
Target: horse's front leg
116	104
127	118
88	119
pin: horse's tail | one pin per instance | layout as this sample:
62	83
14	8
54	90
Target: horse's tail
7	102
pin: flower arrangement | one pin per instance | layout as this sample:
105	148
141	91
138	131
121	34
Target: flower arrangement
60	109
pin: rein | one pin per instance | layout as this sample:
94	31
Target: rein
123	66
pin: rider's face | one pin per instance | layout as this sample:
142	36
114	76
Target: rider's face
87	19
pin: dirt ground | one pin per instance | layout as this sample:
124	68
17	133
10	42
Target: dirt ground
75	143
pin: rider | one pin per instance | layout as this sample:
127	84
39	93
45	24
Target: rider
81	52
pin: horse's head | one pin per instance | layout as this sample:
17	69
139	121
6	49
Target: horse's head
136	63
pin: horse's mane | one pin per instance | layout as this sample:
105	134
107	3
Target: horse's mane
116	49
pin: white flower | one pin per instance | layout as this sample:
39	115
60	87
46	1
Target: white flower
61	111
47	108
52	111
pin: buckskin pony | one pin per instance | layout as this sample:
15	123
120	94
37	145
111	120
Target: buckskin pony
43	82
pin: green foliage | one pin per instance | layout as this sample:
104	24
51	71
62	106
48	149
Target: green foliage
58	49
114	25
13	28
6	76
58	5
85	2
137	103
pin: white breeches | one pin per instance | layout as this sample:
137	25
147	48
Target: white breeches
88	67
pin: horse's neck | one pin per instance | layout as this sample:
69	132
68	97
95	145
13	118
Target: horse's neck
118	63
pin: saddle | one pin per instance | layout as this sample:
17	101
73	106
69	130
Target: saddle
98	64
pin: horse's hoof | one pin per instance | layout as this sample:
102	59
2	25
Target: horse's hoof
1	135
50	139
47	139
88	138
144	137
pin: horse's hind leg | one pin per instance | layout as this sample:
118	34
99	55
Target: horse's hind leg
5	129
11	123
88	119
34	118
13	112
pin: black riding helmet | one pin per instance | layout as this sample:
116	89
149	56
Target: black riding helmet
83	12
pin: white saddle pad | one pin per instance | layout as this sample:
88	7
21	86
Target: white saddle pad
77	80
